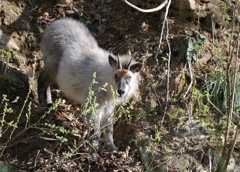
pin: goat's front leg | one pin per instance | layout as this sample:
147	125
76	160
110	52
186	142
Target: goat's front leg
108	135
94	127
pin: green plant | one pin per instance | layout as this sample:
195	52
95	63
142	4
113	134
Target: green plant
5	168
192	46
197	94
126	110
71	152
90	106
225	6
6	109
143	114
216	87
183	148
148	152
12	125
206	117
6	52
59	132
153	142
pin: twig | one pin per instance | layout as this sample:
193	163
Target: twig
213	27
210	160
35	160
231	91
209	101
168	71
158	100
163	4
163	25
233	145
226	154
191	77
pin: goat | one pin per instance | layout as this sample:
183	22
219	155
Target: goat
71	57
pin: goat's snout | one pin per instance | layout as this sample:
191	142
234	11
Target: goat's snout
120	92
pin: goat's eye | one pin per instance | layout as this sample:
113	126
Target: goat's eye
117	78
128	79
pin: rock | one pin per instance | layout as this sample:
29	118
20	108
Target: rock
177	83
150	104
8	41
232	164
184	5
185	8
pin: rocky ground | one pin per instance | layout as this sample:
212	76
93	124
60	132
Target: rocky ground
167	129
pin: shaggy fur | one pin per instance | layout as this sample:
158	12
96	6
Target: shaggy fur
71	56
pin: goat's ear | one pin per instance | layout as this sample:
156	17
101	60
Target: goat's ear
112	60
136	67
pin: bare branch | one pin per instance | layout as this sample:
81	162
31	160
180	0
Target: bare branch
147	10
163	27
216	108
169	56
191	77
231	67
168	71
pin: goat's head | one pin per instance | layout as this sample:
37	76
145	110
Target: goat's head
124	73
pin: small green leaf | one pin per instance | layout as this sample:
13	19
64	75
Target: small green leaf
5	168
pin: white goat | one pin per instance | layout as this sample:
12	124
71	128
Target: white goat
71	57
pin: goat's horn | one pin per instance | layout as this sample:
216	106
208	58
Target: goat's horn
129	64
119	63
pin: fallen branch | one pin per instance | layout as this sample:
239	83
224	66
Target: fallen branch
147	10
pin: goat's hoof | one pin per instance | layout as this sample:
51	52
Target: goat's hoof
42	109
111	148
45	107
95	156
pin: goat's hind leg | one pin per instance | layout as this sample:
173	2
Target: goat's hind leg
44	92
